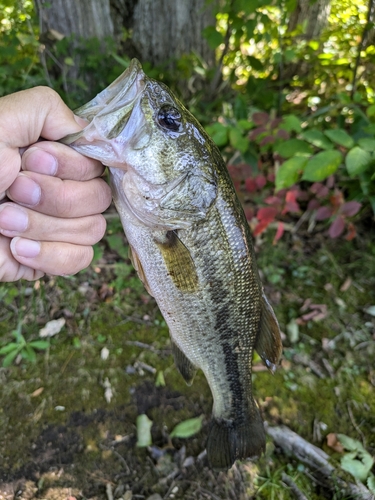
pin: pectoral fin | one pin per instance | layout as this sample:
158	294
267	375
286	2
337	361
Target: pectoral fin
184	366
268	344
179	262
133	256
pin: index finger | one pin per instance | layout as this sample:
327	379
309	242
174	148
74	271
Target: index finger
26	116
59	160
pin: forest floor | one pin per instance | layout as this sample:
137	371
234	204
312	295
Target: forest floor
69	419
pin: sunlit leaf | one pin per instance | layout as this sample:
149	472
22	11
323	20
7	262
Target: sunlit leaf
293	147
39	344
357	161
317	138
8	348
288	172
187	428
144	425
340	137
322	165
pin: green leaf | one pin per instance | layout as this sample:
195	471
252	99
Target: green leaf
237	140
371	483
39	344
350	443
29	353
218	133
367	143
340	137
116	242
317	138
294	147
358	464
187	428
370	310
8	348
322	165
291	123
288	172
370	111
8	360
160	381
144	425
213	37
357	161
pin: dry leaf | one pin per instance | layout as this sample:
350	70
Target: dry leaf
334	443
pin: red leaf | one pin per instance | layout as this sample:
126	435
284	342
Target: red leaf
249	213
337	227
250	185
273	200
271	177
337	199
269	139
259	228
330	181
316	187
282	134
323	213
279	232
256	132
260	181
291	196
260	118
352	233
267	214
350	208
313	205
275	122
291	206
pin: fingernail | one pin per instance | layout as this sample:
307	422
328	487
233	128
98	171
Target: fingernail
25	190
25	248
81	121
40	161
13	219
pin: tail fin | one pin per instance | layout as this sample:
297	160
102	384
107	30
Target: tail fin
229	440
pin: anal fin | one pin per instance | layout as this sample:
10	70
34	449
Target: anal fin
183	364
268	344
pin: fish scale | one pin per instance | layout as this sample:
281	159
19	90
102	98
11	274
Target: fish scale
191	246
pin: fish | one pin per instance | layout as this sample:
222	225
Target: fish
191	246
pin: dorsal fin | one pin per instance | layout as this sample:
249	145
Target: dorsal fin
268	344
183	364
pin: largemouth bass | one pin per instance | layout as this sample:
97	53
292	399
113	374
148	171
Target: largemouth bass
191	246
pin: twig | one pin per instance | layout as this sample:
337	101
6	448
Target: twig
294	488
108	490
355	424
317	460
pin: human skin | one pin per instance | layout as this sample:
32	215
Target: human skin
56	195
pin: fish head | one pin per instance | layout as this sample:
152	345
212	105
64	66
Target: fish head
137	125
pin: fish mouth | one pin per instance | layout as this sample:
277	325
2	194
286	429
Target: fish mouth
105	137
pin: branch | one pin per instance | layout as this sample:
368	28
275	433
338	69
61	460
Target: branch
360	47
318	462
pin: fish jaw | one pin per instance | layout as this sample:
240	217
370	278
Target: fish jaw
116	121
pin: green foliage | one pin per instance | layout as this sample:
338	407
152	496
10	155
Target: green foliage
187	428
21	347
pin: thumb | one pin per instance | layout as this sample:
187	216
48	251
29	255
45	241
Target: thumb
33	113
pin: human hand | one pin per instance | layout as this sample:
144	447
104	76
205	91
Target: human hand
54	216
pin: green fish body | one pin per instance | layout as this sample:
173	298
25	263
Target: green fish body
191	246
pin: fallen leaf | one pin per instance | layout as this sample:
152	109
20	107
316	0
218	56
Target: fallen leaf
334	443
52	328
37	392
346	285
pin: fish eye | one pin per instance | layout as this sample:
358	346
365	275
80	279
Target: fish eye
169	118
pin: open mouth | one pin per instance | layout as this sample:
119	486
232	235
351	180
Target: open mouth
108	114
